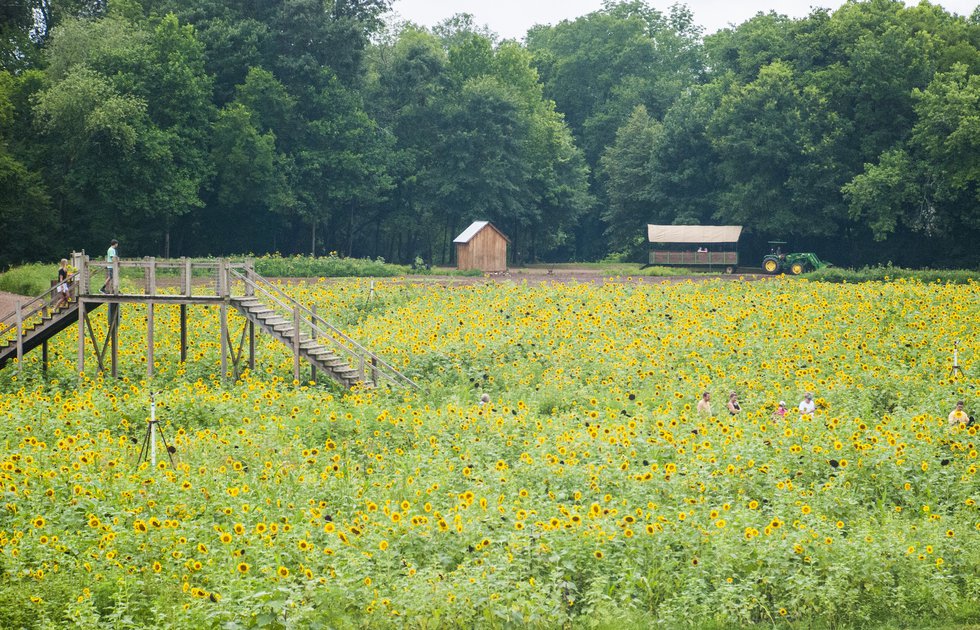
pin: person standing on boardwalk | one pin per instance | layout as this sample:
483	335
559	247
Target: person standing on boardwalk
62	290
110	257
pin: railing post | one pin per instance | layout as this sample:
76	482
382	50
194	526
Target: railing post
20	337
296	321
187	275
151	280
249	273
223	276
313	336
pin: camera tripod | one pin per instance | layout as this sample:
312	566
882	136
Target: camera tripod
955	370
148	452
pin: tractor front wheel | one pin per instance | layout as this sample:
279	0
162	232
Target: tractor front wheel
770	265
797	268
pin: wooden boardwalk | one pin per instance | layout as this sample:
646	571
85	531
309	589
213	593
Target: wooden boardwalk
184	283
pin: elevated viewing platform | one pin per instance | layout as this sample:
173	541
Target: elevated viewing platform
185	282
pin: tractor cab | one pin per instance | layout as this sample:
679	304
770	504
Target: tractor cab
778	260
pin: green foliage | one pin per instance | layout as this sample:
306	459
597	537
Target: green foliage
305	126
888	273
331	266
29	280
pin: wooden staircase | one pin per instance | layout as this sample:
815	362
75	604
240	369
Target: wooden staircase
317	355
40	327
309	337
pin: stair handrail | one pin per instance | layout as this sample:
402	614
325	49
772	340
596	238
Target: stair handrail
35	305
355	350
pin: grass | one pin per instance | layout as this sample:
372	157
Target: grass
887	273
611	268
32	279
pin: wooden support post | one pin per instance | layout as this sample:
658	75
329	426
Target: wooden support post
224	341
44	357
251	346
313	336
20	336
149	339
296	321
114	334
80	361
151	289
183	333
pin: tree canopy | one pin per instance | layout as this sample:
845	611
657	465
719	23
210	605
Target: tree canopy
216	127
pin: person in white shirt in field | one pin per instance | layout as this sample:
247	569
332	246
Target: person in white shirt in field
807	406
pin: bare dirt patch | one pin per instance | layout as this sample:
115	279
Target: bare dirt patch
8	302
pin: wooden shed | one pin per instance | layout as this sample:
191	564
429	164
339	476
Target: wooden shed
481	246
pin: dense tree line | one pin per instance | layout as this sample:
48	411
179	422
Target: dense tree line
215	127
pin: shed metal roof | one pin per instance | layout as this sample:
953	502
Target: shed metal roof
467	235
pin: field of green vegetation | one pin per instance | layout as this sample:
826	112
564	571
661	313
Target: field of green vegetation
587	492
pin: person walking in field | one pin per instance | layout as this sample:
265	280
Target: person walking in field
110	257
807	406
780	412
733	407
958	417
704	405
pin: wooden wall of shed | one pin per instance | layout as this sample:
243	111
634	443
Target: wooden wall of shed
486	251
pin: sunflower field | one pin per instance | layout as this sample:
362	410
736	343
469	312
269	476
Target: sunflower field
588	491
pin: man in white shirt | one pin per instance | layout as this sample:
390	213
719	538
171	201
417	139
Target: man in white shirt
110	257
957	416
807	406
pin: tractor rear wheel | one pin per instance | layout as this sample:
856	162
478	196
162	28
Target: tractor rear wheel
797	268
770	265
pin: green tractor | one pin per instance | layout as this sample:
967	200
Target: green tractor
778	262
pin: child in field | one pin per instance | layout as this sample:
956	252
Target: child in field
780	412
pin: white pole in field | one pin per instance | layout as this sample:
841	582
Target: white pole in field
153	431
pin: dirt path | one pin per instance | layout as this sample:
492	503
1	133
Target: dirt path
8	303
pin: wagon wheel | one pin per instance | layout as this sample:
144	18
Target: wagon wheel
797	268
771	265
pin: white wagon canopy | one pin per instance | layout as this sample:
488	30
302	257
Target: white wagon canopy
695	245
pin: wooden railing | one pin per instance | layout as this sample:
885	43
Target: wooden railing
179	277
309	325
28	315
693	258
